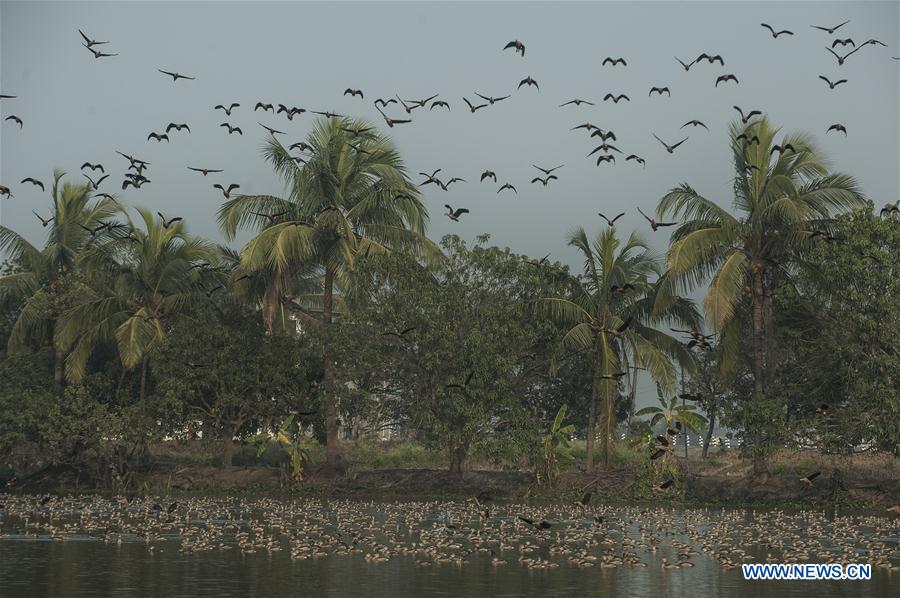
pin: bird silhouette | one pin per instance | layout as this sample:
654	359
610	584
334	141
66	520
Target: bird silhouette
228	109
99	54
204	171
606	158
774	33
473	108
544	180
830	30
170	221
577	102
5	191
384	103
491	100
488	174
517	47
227	192
616	98
439	103
687	66
613	221
507	186
264	107
390	122
455	214
548	171
93	167
841	59
695	123
354	93
159	137
746	117
93	183
637	159
711	59
177	127
830	84
603	135
271	131
837	127
725	79
670	148
613	61
843	43
232	130
176	76
530	82
654	225
44	222
15	119
90	43
33	181
660	91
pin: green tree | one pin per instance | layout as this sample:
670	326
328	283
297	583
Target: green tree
224	369
352	197
782	198
838	327
611	320
45	281
139	281
671	414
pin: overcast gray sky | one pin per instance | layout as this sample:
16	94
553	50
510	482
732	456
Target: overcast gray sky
76	108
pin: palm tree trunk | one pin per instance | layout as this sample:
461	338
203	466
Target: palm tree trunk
759	359
592	419
709	431
58	368
143	378
332	455
610	421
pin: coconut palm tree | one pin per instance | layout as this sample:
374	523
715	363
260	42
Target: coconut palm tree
351	197
613	321
139	281
42	286
784	198
673	415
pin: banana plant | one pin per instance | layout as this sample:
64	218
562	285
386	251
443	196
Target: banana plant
556	437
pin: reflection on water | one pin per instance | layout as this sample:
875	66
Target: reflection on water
93	547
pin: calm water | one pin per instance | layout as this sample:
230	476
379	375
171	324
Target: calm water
93	562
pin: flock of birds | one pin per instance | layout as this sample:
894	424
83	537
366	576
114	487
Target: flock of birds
136	178
444	533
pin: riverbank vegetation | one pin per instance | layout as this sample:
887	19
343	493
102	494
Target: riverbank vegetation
340	324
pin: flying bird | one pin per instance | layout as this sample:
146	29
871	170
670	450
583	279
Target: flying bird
637	159
488	174
670	148
227	192
170	222
725	79
177	127
608	221
328	114
774	33
841	59
93	167
354	92
88	42
439	103
837	127
843	43
528	81
34	182
205	171
749	115
577	102
830	84
431	178
95	184
384	103
158	137
614	376
517	47
455	214
687	66
455	179
710	59
654	225
491	100
98	54
227	110
300	145
695	123
271	131
830	30
606	158
605	147
392	121
507	186
265	107
15	119
615	98
782	148
44	222
176	76
587	126
473	108
5	191
544	180
604	135
613	61
660	91
547	171
231	129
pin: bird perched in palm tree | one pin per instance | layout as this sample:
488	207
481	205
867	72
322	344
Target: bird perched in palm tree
342	204
778	198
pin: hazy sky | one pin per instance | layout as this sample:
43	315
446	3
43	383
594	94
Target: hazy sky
76	108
